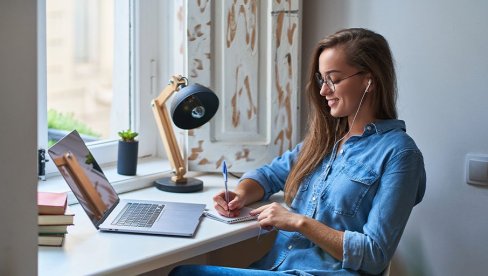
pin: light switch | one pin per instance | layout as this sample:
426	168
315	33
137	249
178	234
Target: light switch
477	169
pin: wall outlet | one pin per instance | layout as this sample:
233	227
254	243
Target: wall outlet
477	169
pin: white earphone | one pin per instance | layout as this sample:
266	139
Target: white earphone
367	87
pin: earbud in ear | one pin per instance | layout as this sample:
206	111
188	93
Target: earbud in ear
367	87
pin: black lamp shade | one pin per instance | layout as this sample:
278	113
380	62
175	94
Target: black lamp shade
193	106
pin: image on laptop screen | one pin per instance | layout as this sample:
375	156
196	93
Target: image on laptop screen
93	191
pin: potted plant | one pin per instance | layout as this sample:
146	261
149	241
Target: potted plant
127	153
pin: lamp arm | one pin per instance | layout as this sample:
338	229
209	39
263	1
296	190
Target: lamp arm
166	130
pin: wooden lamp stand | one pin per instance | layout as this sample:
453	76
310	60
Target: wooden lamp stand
192	107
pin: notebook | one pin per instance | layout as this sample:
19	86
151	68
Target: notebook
243	216
104	207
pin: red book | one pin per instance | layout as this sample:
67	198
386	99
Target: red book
51	203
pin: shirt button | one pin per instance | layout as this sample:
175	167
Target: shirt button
368	128
290	247
313	198
342	151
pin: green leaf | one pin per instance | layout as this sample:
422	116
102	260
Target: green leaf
128	135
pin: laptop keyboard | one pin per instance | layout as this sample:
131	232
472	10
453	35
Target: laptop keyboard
139	215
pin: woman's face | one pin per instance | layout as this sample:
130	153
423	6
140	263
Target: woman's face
349	83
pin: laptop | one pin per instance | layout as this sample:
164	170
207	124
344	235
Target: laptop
104	207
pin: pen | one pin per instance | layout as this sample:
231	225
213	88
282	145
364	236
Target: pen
224	173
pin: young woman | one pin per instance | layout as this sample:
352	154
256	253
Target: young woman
351	184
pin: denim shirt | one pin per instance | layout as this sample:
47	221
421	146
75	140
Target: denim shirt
368	191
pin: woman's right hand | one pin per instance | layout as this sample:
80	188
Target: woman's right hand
232	209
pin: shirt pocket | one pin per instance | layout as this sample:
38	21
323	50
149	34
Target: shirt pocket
299	201
348	189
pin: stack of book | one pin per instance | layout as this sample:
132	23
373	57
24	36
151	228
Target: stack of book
53	219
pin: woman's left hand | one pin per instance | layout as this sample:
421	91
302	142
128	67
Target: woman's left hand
275	215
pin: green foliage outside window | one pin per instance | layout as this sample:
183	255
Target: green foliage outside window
61	121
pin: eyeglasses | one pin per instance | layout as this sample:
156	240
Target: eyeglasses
328	80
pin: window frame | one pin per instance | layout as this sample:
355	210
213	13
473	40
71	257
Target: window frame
135	77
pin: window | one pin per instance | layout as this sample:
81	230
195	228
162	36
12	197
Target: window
98	72
155	39
79	68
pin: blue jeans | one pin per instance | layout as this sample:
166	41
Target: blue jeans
185	270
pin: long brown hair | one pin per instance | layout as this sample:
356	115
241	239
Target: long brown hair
368	52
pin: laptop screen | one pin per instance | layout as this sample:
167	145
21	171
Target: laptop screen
84	176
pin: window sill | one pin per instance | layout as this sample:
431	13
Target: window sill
148	170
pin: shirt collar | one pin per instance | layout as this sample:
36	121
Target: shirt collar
382	126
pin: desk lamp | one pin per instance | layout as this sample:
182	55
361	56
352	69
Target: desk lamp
193	106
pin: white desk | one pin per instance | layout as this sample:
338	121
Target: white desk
88	251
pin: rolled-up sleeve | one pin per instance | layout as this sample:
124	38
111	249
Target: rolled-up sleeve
272	177
401	187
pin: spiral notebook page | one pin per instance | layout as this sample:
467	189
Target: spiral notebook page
244	216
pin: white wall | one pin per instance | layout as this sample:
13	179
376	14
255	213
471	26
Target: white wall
18	139
442	66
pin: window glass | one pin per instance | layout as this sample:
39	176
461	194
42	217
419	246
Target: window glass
80	54
87	84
